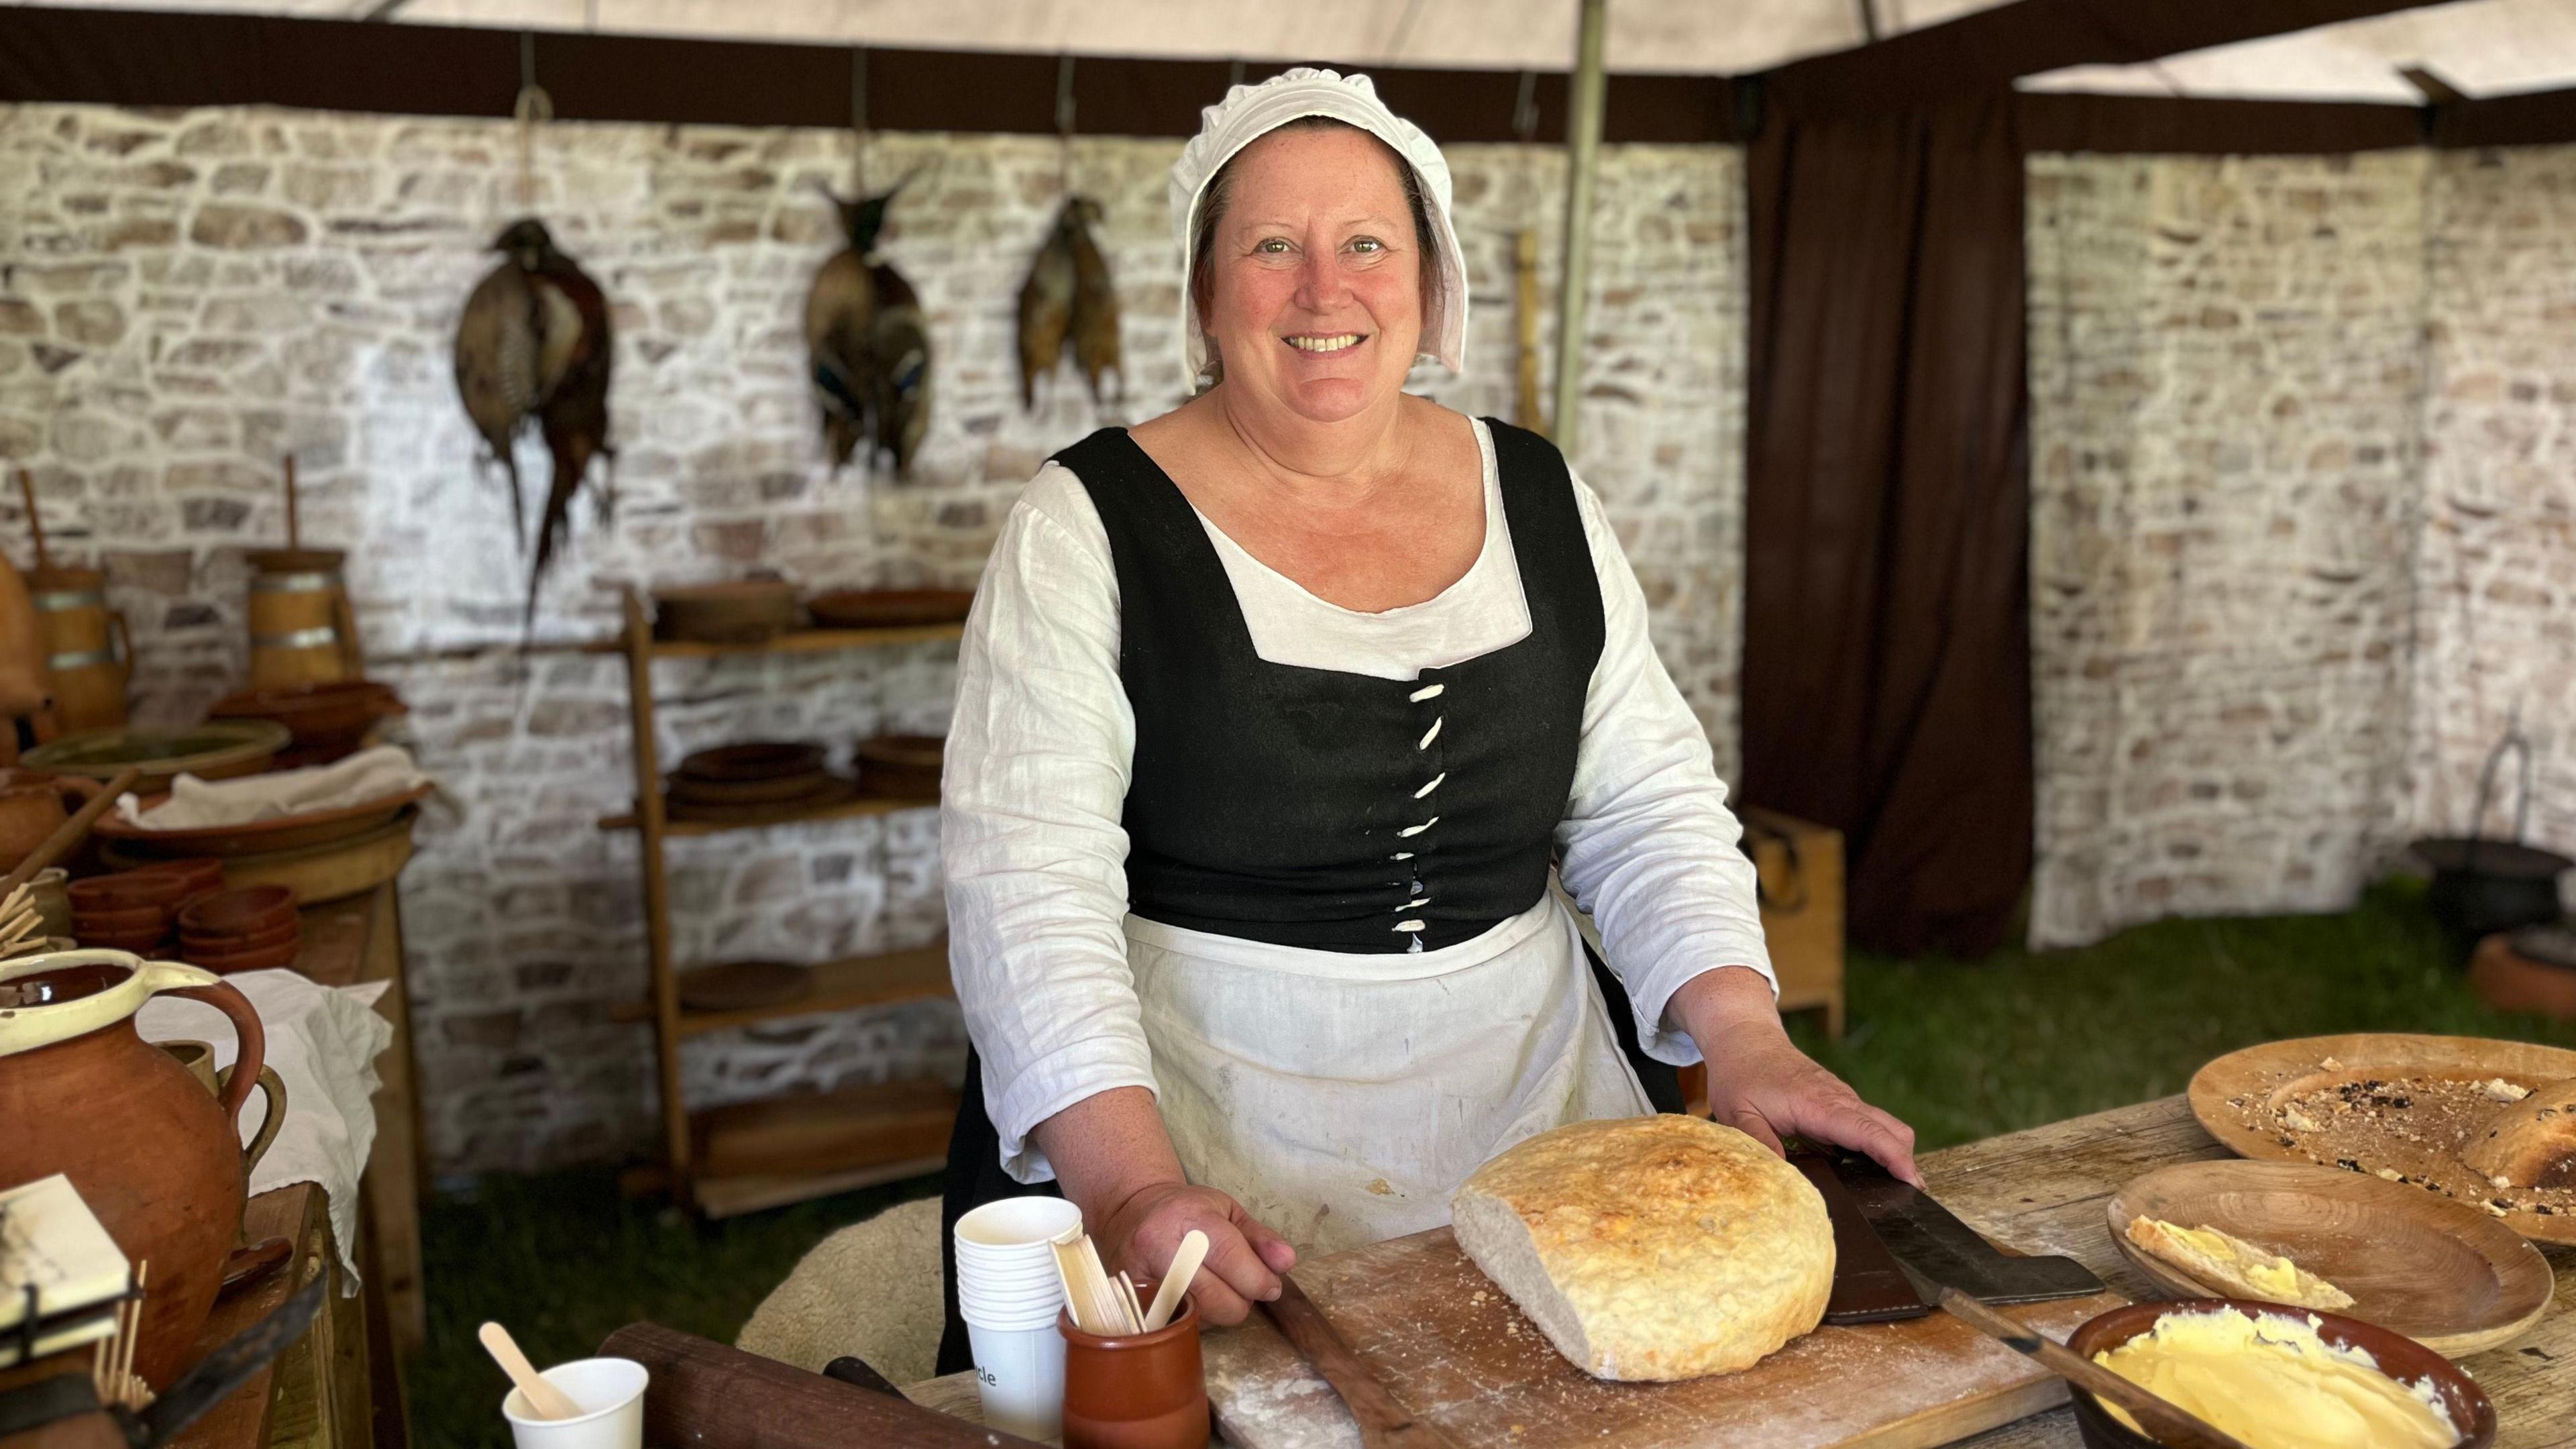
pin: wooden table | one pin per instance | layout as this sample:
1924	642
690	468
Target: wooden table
2045	1190
317	1394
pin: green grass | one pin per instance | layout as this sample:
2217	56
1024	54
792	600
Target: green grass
1960	1049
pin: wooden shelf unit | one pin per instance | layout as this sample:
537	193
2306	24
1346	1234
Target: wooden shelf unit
743	1157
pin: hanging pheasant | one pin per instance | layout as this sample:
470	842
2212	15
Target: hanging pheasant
1069	297
864	338
535	343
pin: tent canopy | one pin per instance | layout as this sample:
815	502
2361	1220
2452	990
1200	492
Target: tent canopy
2480	47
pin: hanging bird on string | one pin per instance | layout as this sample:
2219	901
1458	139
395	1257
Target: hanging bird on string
1068	297
862	323
534	343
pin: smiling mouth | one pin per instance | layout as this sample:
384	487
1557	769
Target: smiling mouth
1337	342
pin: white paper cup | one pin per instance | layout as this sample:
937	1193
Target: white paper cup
1009	1316
610	1394
1019	1373
1013	1226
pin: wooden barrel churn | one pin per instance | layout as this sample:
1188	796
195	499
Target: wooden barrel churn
301	628
88	654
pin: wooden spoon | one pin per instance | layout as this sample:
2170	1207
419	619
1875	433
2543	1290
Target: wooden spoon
2165	1422
544	1399
1176	1279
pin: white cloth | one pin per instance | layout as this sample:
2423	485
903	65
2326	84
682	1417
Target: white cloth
323	1041
1250	112
1046	961
195	804
1341	1098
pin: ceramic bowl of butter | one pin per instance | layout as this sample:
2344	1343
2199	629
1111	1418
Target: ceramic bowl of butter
2281	1378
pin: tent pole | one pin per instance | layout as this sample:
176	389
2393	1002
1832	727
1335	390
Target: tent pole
1583	141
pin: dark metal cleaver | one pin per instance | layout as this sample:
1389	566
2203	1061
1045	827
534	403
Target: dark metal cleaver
1883	1227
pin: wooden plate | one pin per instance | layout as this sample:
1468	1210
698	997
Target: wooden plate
753	760
260	837
834	790
2447	1276
743	985
2241	1097
889	608
215	750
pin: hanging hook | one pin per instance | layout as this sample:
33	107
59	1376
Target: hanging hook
532	108
1064	116
1525	108
858	120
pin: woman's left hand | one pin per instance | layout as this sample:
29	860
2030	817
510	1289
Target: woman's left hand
1761	1084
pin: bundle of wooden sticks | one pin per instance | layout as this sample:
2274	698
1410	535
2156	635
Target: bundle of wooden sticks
111	1365
1110	1306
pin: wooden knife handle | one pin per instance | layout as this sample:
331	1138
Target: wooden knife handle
2164	1423
1384	1423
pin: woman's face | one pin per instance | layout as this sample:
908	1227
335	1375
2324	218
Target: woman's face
1315	285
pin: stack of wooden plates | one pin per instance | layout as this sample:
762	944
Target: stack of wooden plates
759	778
889	608
744	612
901	767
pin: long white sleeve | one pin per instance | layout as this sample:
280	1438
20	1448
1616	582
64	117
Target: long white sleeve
1036	783
1647	846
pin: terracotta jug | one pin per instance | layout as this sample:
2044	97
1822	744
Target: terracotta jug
156	1157
32	806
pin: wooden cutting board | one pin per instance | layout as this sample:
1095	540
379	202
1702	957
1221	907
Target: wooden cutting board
1453	1349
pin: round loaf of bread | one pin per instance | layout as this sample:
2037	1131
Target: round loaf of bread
1651	1248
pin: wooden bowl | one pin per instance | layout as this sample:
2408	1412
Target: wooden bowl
2401	1358
217	750
201	874
127	892
326	716
267	958
743	985
694	791
258	837
889	608
223	941
245	911
332	871
2440	1272
753	760
745	611
141	943
123	920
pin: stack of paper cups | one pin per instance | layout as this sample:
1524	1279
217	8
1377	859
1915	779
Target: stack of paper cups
1008	1293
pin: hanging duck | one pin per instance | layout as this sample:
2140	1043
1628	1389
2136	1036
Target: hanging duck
862	321
1068	297
535	343
1095	307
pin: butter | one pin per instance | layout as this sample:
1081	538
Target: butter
2235	1267
2273	1383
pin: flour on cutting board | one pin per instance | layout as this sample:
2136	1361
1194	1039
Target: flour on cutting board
1428	1325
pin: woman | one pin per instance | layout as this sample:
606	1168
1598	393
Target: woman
1271	717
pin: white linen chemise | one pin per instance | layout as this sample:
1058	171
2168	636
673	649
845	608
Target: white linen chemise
1341	1097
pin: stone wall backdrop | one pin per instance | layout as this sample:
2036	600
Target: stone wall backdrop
2227	378
185	296
2497	566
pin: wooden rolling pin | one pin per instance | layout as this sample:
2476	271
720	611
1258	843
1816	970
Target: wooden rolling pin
1384	1423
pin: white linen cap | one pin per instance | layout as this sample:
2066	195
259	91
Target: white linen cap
1250	112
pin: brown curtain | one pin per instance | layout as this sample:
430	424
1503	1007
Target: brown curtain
1886	637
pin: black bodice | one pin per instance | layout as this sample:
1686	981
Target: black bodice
1316	808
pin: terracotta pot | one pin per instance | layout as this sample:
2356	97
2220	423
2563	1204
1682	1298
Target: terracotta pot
240	912
199	1058
1136	1391
329	719
128	891
120	920
155	1158
33	807
140	942
285	932
266	958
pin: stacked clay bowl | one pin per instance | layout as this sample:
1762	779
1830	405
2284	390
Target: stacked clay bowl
133	910
254	928
328	720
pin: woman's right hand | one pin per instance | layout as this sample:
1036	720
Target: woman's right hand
1244	1258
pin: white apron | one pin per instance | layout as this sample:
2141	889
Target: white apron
1342	1097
